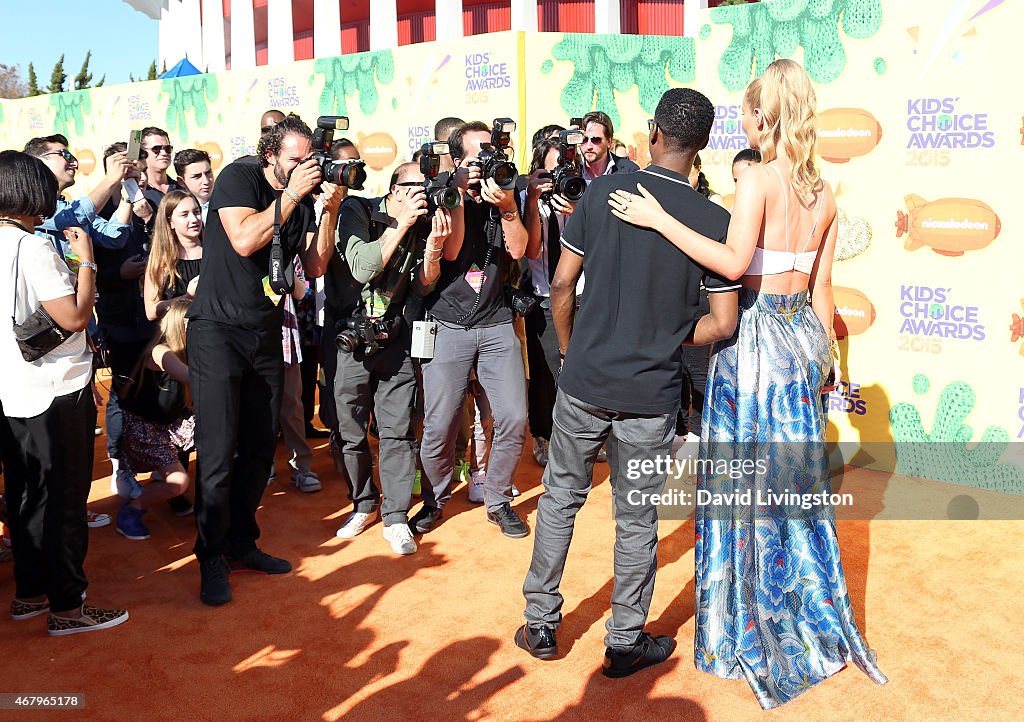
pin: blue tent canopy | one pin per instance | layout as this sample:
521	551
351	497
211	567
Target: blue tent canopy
183	68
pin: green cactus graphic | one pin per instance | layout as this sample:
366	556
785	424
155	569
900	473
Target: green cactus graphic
348	75
605	63
70	108
186	94
766	30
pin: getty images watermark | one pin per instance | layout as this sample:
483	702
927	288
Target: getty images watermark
719	494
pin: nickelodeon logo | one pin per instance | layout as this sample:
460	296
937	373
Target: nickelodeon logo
845	133
854	313
86	160
215	153
377	149
949	226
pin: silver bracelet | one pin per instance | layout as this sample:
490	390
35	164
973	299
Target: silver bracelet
88	264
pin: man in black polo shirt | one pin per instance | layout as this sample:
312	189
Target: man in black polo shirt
621	377
236	369
474	327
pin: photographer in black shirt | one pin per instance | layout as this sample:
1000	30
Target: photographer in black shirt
474	327
388	252
236	368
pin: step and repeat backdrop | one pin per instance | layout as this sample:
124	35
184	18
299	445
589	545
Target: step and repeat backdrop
920	135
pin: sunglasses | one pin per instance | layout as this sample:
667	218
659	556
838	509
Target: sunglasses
651	125
266	129
409	184
593	140
158	149
63	153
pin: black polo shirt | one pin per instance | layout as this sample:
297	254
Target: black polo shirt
456	290
643	295
232	289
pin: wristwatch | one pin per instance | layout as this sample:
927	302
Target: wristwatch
88	264
509	215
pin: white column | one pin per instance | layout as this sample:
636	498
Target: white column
693	15
607	18
524	15
192	32
213	36
383	24
326	29
280	36
243	35
448	19
172	39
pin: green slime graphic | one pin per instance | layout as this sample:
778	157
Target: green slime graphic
766	30
70	108
943	454
188	94
603	63
347	75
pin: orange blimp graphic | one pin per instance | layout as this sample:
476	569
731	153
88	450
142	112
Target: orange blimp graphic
215	153
949	226
86	160
845	133
377	149
854	311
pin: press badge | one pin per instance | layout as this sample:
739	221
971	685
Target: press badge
377	304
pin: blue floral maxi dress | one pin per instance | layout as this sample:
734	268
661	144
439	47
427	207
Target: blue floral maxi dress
772	605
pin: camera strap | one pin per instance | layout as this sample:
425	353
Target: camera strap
281	275
491	232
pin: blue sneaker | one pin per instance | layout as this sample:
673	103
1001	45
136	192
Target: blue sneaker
129	523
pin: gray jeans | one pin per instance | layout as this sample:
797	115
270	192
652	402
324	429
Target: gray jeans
578	432
386	384
497	354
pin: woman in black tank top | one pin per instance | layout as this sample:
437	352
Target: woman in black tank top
177	252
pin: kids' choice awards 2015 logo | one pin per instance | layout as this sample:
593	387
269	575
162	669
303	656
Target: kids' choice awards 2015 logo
281	93
418	135
484	73
938	127
727	131
934	313
854	311
138	108
845	133
847	399
949	226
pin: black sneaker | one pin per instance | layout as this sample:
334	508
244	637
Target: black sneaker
214	588
647	652
259	562
538	641
424	520
180	506
508	521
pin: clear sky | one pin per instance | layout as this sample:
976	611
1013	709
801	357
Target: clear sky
122	39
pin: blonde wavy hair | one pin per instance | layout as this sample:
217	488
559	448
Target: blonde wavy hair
787	103
171	333
162	267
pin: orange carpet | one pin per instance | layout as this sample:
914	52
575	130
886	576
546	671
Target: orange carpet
356	633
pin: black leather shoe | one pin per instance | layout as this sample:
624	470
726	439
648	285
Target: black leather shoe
313	432
647	652
260	562
508	521
538	641
424	520
214	589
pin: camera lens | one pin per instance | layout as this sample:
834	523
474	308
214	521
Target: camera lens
572	188
348	341
347	173
448	198
504	174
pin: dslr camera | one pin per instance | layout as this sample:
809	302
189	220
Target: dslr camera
567	177
359	332
493	158
348	173
437	185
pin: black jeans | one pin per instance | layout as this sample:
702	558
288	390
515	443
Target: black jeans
309	366
48	471
542	355
236	376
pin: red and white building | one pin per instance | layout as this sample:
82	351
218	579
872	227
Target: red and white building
221	34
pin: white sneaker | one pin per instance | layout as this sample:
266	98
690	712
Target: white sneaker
477	480
126	485
356	524
307	481
540	451
515	491
400	538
